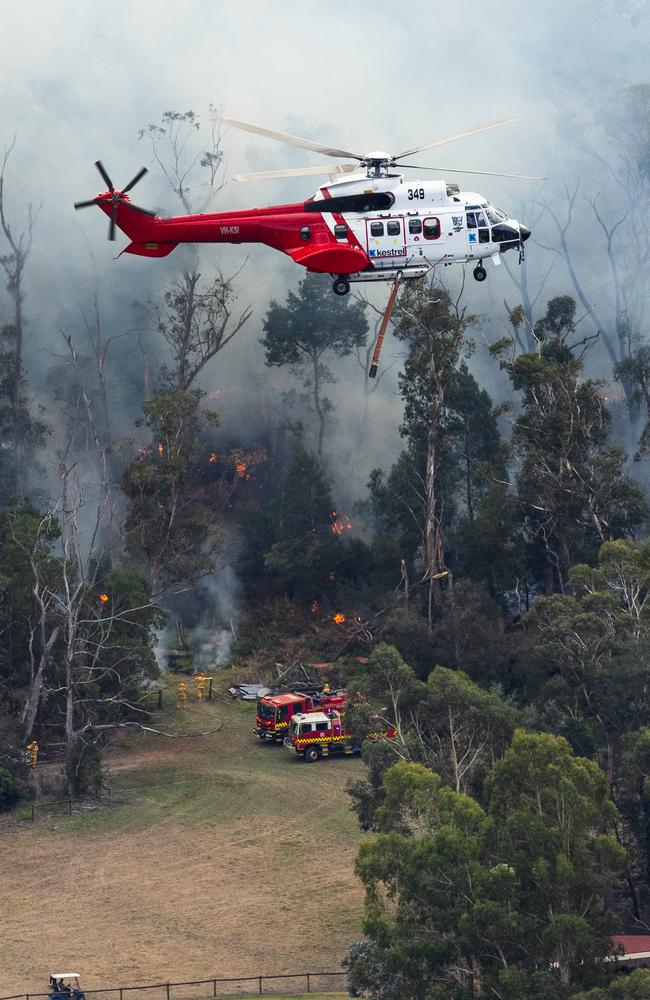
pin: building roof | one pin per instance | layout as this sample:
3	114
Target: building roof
633	944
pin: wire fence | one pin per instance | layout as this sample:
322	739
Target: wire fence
203	989
65	807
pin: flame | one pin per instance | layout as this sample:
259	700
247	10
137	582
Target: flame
104	598
213	457
338	618
161	449
241	469
331	576
314	607
340	523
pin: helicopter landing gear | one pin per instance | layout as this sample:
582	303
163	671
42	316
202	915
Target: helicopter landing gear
341	286
479	272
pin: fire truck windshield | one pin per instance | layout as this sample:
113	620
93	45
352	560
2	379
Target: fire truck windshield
265	711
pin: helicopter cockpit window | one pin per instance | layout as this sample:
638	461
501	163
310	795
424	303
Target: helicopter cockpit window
393	228
376	228
431	229
415	226
340	232
471	220
495	215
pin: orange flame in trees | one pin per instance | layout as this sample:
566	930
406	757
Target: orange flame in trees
338	618
103	598
213	457
241	469
161	449
340	523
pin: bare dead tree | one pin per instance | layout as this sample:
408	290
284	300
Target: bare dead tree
178	155
83	629
197	323
563	224
13	262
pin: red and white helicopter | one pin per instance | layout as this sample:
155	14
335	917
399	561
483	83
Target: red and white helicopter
366	224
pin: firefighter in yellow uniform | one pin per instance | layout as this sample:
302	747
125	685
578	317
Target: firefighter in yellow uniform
201	681
32	750
181	696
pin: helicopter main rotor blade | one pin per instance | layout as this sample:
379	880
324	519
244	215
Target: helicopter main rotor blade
143	211
482	173
292	140
138	177
87	204
262	175
107	180
459	135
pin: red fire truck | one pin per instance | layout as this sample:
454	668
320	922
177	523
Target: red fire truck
318	734
275	711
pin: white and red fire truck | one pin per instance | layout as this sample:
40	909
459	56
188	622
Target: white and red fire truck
275	711
318	734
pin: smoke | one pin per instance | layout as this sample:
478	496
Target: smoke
76	88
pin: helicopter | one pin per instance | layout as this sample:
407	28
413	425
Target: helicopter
366	224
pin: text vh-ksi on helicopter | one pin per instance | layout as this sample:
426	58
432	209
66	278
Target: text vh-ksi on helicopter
366	224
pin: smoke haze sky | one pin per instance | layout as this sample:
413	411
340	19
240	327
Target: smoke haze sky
79	79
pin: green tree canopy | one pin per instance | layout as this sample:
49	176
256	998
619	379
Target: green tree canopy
464	902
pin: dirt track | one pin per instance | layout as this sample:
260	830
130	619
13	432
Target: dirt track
230	858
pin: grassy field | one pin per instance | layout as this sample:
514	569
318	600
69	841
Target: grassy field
221	857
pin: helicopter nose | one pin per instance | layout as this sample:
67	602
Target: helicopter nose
524	232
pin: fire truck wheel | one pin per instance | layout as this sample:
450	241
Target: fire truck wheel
311	754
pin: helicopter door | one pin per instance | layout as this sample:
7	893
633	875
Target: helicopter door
386	242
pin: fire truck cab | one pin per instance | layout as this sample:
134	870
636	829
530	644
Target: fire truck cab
274	713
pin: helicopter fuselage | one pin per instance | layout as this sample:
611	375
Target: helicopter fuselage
358	229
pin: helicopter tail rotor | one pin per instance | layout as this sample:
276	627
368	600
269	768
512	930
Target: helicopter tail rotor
114	198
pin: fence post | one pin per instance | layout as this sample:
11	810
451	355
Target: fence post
210	690
69	807
214	987
32	812
160	698
261	985
168	991
120	993
308	984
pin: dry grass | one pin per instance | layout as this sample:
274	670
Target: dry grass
225	858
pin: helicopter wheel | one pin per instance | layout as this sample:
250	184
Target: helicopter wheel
341	286
479	272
